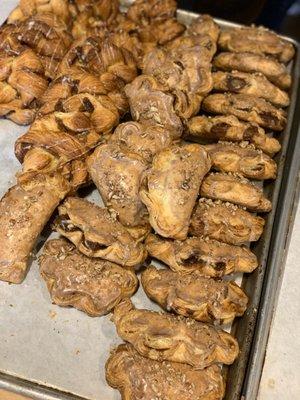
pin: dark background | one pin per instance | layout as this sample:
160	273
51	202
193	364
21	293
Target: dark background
280	15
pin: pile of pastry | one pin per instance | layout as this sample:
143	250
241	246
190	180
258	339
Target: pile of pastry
174	126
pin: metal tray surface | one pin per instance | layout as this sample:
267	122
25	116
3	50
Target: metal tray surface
53	353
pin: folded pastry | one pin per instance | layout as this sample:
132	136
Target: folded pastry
248	108
254	84
201	254
205	25
229	128
143	140
225	222
256	40
174	338
249	62
24	211
126	369
171	187
91	285
235	189
243	159
193	295
97	233
152	106
118	173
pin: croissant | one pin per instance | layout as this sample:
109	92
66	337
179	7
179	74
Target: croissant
97	233
195	296
235	189
94	286
171	187
242	159
162	337
201	254
229	128
126	369
225	222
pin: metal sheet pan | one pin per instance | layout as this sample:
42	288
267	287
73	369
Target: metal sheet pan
51	353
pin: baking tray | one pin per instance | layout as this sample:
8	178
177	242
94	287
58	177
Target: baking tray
53	353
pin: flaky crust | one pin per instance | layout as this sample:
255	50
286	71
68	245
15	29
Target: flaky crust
241	159
205	25
118	173
97	233
256	40
24	210
229	128
171	187
93	286
143	140
201	254
248	62
168	337
235	189
225	222
248	108
253	84
137	378
195	296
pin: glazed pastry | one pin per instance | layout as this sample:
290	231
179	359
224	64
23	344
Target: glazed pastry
252	84
118	173
202	255
229	128
248	108
242	159
195	296
23	210
258	41
249	62
171	187
205	25
143	140
168	337
91	285
97	233
126	369
225	222
236	190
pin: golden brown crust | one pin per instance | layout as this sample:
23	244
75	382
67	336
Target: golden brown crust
118	173
225	222
171	187
252	84
93	286
205	25
242	159
97	233
137	378
236	190
256	40
162	337
229	128
202	255
248	62
248	108
24	211
143	140
195	296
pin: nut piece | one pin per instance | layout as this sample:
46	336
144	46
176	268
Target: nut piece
97	233
172	186
235	189
241	159
137	378
203	299
168	337
202	254
248	108
91	285
225	222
